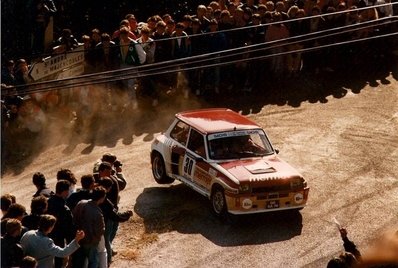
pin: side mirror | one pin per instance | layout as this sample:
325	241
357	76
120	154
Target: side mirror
277	151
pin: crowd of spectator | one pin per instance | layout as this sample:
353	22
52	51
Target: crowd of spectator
67	226
175	41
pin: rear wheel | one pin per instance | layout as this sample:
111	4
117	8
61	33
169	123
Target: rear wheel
159	170
218	202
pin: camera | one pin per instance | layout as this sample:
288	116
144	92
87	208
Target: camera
117	163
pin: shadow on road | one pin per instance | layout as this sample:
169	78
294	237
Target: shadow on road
178	208
109	126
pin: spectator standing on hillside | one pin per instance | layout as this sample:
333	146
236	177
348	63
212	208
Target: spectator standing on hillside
21	73
38	207
63	231
198	47
6	201
312	60
66	42
180	43
88	183
89	218
37	244
90	52
162	51
11	250
256	67
15	211
216	42
296	28
131	54
111	215
201	16
39	180
116	34
41	13
7	73
67	174
133	24
276	32
106	54
149	46
180	48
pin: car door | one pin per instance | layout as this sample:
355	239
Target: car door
177	147
196	152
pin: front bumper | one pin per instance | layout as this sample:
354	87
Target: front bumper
267	202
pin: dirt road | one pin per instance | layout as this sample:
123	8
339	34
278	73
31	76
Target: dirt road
345	143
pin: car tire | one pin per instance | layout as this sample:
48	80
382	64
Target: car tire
159	170
218	202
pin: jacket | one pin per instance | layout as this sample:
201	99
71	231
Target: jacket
43	249
88	217
110	212
63	228
135	54
76	197
11	251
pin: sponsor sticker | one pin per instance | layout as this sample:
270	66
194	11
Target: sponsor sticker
298	198
247	203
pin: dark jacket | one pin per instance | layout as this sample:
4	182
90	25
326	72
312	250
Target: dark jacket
31	221
64	228
106	62
11	251
44	191
180	49
76	197
88	217
110	212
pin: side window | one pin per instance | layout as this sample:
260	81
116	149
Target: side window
196	143
180	132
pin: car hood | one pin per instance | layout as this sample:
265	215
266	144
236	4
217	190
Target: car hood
264	169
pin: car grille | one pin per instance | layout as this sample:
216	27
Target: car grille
271	188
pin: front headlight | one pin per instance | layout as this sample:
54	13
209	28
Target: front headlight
244	188
297	184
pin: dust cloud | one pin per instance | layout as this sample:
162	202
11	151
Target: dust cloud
96	115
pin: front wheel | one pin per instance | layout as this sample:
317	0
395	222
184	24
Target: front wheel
159	170
218	202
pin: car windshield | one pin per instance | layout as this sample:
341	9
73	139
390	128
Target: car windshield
238	144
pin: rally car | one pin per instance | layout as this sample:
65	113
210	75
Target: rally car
229	159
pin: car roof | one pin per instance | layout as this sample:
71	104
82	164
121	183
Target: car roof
216	120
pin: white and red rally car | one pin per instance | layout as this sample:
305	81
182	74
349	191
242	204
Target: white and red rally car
229	159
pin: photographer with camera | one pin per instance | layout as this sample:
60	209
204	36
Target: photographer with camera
119	175
116	172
